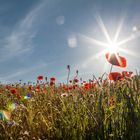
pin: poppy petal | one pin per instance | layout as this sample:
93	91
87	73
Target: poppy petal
115	59
115	76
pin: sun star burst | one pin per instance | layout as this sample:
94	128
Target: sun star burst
112	45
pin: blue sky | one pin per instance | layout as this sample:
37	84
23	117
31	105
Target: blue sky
41	37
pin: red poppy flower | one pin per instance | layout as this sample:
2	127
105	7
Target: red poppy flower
38	87
115	59
87	86
94	85
70	87
127	73
76	80
20	97
40	77
75	86
52	79
14	91
64	86
70	81
115	76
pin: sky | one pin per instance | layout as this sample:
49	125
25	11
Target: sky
42	37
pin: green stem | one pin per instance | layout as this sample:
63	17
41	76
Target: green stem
111	68
68	77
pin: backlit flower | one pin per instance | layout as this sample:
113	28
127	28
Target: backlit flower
115	59
87	86
127	73
115	76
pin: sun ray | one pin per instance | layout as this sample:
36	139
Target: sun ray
118	30
120	62
93	41
90	59
106	67
128	39
102	26
129	52
112	46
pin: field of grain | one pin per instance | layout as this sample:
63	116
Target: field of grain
85	110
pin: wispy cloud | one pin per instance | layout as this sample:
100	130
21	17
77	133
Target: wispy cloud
22	72
19	40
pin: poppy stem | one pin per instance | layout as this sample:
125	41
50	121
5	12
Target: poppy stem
110	80
76	76
68	77
111	68
94	77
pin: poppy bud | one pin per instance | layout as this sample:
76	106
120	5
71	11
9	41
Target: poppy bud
68	67
46	79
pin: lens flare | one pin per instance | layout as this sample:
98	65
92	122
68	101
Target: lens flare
11	106
5	115
26	97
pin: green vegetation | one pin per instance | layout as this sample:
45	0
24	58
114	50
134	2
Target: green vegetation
107	112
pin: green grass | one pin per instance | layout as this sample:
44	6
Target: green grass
107	112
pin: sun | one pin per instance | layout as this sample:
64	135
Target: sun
112	47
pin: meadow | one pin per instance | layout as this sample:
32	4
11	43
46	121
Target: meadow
41	41
97	109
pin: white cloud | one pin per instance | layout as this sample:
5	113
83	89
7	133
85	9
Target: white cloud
20	39
22	72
